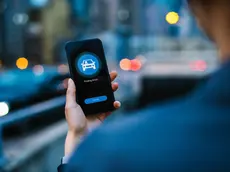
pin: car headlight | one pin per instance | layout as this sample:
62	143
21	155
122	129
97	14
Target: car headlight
4	108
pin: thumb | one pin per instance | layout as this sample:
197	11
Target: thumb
71	95
74	114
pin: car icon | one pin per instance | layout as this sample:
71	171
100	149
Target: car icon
88	64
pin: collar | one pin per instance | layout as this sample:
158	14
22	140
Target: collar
217	88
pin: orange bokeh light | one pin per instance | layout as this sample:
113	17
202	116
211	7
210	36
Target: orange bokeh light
22	63
125	64
136	65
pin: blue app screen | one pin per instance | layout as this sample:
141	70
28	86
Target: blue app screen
88	65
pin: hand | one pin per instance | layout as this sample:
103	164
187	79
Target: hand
78	124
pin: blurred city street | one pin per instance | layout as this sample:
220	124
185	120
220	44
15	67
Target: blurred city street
154	45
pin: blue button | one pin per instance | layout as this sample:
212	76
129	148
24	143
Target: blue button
95	100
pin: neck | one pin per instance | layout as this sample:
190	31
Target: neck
222	36
222	39
224	50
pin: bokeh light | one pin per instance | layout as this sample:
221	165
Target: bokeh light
63	69
172	17
4	109
22	63
38	70
125	64
136	65
199	65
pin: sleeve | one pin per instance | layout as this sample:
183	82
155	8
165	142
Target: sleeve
101	150
92	156
65	160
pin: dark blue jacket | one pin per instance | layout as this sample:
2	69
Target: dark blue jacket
189	135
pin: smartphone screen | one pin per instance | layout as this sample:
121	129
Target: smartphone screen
89	70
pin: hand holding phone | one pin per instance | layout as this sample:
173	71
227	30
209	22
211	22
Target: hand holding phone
90	74
78	124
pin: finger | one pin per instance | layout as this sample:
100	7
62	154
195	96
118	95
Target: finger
115	86
108	114
71	95
102	117
117	104
113	75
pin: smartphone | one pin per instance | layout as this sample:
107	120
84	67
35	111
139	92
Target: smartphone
89	71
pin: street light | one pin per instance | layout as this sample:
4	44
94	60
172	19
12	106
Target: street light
172	17
22	63
4	109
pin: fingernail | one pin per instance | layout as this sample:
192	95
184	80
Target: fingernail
118	104
69	82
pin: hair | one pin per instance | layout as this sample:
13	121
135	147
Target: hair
207	6
213	16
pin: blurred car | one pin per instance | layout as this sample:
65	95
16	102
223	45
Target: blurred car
20	88
163	81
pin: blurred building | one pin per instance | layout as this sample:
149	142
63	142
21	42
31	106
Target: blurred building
103	15
138	14
148	16
56	28
13	29
33	28
79	11
2	30
93	16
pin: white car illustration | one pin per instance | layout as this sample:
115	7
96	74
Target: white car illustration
88	64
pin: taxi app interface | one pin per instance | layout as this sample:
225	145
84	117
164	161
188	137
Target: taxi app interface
91	76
